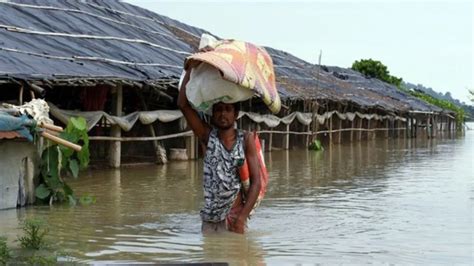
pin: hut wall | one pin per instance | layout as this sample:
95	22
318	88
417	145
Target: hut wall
19	166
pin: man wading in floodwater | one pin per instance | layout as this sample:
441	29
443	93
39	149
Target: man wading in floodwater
225	149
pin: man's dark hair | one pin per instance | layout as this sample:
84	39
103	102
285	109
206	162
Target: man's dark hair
236	107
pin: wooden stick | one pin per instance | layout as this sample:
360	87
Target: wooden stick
20	96
51	127
177	135
54	133
61	141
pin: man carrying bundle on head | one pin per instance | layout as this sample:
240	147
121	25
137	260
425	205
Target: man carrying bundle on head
215	81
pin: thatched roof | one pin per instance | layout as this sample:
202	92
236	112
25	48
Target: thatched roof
84	40
91	41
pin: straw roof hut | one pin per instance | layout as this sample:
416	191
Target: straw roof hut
118	65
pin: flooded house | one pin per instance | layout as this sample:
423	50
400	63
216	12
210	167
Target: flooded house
118	66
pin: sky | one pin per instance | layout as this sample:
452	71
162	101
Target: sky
423	42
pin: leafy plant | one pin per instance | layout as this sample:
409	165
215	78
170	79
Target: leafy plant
4	251
34	231
316	146
57	159
42	260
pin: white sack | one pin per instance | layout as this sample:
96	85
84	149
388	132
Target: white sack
206	87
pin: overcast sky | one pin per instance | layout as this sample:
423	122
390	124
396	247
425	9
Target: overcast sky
424	42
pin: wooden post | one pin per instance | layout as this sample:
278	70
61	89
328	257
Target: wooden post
415	127
407	129
441	124
287	138
116	131
191	147
428	131
308	130
330	130
449	127
20	96
314	121
454	127
339	134
270	140
159	156
352	129
368	128
359	132
387	127
396	126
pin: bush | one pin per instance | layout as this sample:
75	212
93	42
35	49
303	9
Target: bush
4	251
35	232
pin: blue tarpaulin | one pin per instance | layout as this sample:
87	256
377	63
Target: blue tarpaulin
21	124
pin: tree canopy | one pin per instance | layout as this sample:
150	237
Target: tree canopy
375	69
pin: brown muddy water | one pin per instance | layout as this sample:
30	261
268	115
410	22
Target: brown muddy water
383	201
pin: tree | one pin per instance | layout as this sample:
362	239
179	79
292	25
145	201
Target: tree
375	69
471	95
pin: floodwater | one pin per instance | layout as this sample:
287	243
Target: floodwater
382	201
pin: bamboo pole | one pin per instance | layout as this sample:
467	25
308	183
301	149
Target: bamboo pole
396	131
339	134
330	130
159	156
359	133
40	91
20	96
51	127
368	128
287	137
61	141
428	130
406	135
352	131
270	140
176	135
116	132
308	129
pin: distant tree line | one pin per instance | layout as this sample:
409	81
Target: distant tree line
376	69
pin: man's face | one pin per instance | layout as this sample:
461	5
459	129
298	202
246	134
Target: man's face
223	115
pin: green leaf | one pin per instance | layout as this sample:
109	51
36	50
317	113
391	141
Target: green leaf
68	190
42	191
79	123
72	201
50	161
74	167
87	199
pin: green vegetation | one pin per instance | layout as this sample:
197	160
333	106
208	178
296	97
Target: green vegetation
57	159
4	251
471	95
375	69
35	232
316	146
447	105
33	250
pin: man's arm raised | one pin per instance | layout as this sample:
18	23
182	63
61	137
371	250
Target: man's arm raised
199	127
